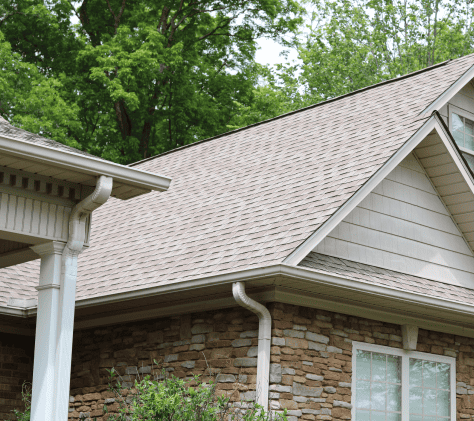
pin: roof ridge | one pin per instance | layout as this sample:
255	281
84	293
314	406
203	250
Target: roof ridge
357	91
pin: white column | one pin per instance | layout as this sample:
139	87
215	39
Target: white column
42	402
67	299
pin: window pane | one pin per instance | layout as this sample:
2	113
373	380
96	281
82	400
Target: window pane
468	127
363	365
378	388
429	401
416	394
391	416
416	417
469	142
429	374
379	395
457	123
458	137
377	416
362	415
443	403
379	367
443	376
416	372
393	369
363	394
432	399
394	397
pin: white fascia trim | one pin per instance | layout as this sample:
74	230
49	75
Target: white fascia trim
245	275
449	93
83	164
312	241
368	288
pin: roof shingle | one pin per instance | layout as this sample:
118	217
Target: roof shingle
247	199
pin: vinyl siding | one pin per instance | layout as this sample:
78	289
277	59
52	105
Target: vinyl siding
404	226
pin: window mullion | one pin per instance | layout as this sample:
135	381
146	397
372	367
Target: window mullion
405	388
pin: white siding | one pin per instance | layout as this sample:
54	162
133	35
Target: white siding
403	225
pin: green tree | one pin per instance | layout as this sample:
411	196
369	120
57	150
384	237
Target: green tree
147	76
353	44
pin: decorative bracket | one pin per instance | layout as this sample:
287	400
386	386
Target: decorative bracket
410	337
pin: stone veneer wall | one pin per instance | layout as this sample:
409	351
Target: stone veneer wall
16	367
310	358
221	343
312	354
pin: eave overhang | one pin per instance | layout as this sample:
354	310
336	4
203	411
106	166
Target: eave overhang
279	283
82	169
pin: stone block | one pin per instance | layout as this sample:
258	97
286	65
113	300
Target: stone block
275	373
225	378
301	390
342	404
249	334
245	362
189	364
314	377
296	343
185	327
170	358
201	328
330	389
316	337
316	346
131	370
288	370
293	333
288	404
253	351
145	370
196	347
278	341
198	339
237	343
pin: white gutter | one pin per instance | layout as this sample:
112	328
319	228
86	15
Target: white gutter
264	339
82	164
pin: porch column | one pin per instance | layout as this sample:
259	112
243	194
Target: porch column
42	400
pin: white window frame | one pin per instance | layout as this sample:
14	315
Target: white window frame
463	113
406	355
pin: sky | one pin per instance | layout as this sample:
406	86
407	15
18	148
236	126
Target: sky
269	53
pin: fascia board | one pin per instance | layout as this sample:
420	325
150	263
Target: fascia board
314	239
83	164
245	275
439	102
443	306
368	288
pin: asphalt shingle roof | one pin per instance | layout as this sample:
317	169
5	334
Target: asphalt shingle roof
7	130
385	277
247	199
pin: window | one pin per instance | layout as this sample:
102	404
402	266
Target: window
461	124
390	384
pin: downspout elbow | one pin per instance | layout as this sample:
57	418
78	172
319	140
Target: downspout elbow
80	212
264	339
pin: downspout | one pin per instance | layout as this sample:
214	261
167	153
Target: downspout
264	339
74	246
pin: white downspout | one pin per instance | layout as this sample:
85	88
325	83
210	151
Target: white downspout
74	246
264	339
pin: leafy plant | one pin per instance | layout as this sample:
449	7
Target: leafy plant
173	399
26	398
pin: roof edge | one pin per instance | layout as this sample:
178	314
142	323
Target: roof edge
83	164
385	82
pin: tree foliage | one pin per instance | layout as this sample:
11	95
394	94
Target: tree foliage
145	76
356	43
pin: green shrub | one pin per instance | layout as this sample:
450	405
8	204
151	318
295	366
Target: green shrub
26	398
171	399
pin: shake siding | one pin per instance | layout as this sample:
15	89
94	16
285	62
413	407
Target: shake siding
404	226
